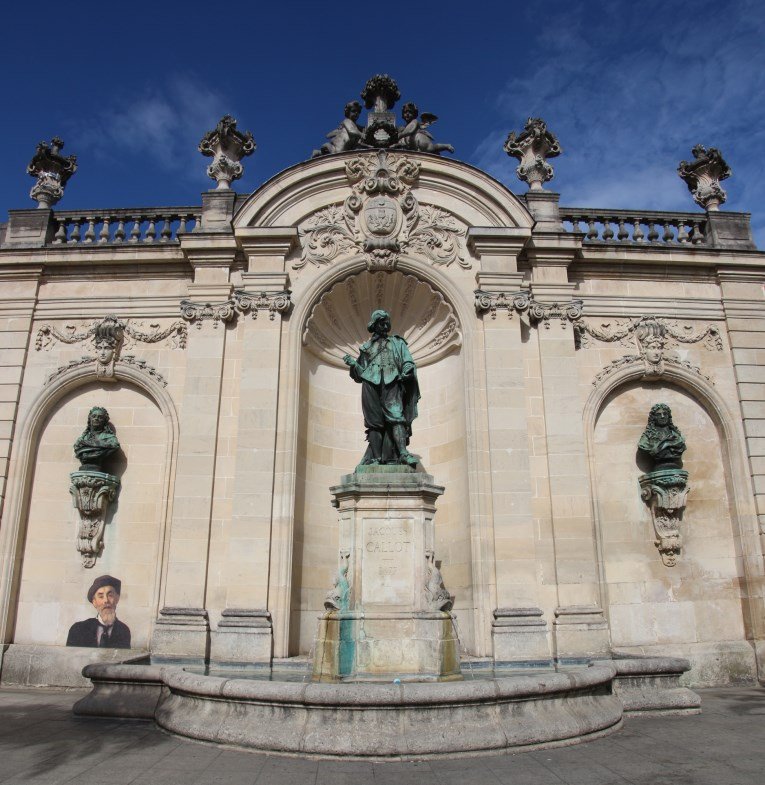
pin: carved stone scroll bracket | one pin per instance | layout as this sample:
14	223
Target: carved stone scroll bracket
272	302
564	313
665	492
339	596
217	313
92	493
491	302
437	597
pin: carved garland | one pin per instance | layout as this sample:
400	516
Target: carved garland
382	219
109	336
651	335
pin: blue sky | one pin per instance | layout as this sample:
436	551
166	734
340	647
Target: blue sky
628	88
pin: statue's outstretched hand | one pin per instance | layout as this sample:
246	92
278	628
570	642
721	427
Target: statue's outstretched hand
349	361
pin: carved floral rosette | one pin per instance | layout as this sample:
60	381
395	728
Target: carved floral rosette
382	219
665	492
92	493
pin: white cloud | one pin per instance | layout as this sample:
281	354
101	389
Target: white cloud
164	123
629	89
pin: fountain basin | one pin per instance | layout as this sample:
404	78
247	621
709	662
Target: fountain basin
367	719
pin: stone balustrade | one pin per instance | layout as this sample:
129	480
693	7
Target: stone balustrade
144	225
636	226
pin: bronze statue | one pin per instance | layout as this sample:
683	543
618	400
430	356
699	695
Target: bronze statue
413	135
661	440
389	393
98	441
347	136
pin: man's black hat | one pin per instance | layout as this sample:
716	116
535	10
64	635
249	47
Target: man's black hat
104	580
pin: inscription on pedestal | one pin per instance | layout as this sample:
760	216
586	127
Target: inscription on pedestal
387	561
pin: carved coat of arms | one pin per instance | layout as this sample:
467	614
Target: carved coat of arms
382	219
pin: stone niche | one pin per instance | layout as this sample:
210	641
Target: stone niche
331	435
52	592
694	609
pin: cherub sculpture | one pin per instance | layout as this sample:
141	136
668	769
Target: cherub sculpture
413	135
347	135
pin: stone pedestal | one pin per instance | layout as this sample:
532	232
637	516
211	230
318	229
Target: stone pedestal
581	633
519	637
388	615
243	638
181	635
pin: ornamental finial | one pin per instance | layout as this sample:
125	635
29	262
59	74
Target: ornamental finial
52	171
226	146
532	147
703	175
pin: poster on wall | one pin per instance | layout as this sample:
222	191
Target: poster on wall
105	630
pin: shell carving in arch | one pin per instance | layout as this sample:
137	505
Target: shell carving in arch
337	323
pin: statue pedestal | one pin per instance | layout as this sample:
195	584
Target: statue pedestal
389	614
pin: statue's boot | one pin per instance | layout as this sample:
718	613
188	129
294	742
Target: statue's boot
404	456
373	454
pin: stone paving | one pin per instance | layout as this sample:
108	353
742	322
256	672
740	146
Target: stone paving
42	742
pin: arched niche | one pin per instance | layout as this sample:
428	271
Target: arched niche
43	580
330	440
702	607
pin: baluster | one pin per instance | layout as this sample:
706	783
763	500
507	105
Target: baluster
622	234
668	237
135	232
653	235
181	230
119	234
151	231
575	224
90	232
60	232
103	235
637	233
74	236
167	232
197	222
608	232
698	233
592	233
682	232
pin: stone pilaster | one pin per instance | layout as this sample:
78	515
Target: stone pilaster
182	631
20	285
255	546
579	629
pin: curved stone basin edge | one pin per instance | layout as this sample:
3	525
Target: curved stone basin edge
363	720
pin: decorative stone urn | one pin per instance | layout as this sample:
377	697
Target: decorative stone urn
52	171
226	146
532	147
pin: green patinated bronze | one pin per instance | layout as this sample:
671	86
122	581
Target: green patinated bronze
389	393
662	441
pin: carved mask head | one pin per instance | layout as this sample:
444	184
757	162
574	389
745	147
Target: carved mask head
105	349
